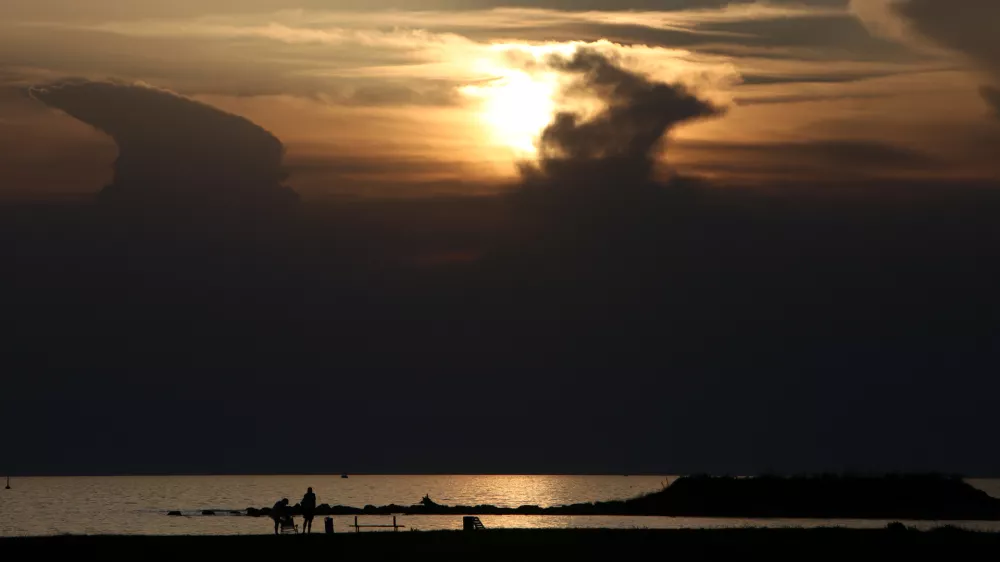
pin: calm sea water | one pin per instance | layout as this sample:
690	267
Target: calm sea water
139	505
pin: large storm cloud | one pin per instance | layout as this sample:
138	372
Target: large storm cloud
173	149
620	145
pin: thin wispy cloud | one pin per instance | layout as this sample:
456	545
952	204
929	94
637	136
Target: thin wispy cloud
466	20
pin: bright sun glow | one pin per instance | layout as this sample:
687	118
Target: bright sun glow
517	106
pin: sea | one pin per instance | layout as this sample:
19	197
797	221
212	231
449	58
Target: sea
139	505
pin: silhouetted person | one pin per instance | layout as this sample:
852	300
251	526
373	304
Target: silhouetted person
308	510
280	514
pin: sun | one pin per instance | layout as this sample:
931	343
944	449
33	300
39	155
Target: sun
516	106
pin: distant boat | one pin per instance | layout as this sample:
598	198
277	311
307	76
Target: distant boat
343	476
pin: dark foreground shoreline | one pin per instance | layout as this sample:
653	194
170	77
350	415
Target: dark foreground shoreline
519	545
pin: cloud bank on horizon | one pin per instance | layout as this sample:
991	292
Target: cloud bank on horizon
367	98
799	329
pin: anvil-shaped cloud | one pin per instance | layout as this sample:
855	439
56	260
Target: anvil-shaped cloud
173	149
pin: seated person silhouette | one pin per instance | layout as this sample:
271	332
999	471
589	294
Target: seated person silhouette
281	516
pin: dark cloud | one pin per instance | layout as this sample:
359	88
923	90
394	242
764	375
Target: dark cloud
175	150
564	32
829	160
738	331
364	165
433	94
183	8
584	5
969	27
45	153
836	38
992	97
804	98
318	172
797	38
756	79
682	328
618	146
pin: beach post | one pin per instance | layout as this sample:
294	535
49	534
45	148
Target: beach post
328	524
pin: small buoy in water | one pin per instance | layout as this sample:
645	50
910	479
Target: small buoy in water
8	483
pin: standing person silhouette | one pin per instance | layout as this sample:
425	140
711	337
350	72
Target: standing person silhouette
308	510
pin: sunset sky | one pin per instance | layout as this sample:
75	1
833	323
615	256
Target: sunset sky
707	235
387	97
